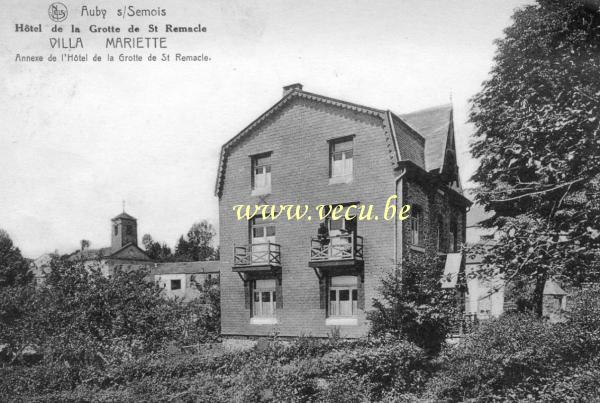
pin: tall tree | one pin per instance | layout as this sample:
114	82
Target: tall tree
14	268
198	244
156	251
537	123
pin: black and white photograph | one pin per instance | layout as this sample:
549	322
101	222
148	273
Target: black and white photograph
300	201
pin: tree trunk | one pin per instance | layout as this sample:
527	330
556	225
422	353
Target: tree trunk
538	293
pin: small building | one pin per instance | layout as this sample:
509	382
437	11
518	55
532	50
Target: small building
555	302
182	279
487	295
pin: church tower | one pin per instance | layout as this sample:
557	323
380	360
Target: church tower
123	231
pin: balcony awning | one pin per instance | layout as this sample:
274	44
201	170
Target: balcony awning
451	269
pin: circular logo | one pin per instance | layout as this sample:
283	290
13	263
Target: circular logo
58	12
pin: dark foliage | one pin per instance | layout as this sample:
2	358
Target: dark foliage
83	322
197	245
537	122
520	357
14	268
156	251
414	306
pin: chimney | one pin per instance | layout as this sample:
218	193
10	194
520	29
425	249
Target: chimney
292	87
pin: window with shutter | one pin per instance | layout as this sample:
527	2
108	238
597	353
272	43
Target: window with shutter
341	157
261	174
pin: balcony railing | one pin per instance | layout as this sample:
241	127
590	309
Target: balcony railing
336	247
464	324
257	254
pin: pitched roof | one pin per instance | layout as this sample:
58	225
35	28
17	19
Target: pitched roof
411	144
102	253
427	128
552	288
125	216
293	93
130	245
433	124
90	254
209	266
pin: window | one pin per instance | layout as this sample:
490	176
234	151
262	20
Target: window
453	241
416	226
440	234
341	154
263	230
116	229
484	307
261	174
343	296
264	298
129	230
175	284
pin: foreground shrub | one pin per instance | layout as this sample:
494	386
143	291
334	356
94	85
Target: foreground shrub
324	371
414	306
514	357
84	325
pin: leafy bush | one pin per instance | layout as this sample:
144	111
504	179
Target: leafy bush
414	305
84	325
520	357
324	371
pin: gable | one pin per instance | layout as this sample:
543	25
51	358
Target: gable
423	137
286	100
130	252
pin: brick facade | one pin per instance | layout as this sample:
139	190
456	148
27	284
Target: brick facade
297	135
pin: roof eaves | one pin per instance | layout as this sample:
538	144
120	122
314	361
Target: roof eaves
394	137
452	192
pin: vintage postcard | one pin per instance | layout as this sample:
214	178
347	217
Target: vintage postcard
300	201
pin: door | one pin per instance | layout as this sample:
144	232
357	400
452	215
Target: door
262	233
341	232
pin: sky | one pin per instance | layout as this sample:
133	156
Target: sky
79	138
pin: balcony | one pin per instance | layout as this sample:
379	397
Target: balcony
336	251
463	324
257	257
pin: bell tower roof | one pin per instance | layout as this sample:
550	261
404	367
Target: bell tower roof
123	215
